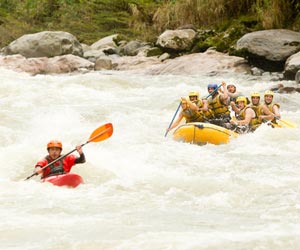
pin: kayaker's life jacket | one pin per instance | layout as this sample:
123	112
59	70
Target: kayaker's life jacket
55	168
218	109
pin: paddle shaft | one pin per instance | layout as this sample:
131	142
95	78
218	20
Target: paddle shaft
215	90
173	119
287	123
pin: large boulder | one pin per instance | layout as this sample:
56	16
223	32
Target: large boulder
44	65
292	65
67	64
211	62
133	48
45	44
105	42
269	49
177	40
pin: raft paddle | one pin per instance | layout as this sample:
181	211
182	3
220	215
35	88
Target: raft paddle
287	123
180	104
100	134
173	118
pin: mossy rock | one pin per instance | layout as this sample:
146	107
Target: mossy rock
154	51
241	52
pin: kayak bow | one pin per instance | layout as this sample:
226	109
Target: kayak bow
70	180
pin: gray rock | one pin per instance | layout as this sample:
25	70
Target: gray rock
45	44
44	65
93	55
103	63
297	77
292	65
164	57
256	71
177	40
105	42
269	49
133	48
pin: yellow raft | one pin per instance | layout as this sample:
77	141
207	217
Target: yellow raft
203	133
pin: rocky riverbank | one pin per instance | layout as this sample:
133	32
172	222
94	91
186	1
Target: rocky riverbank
58	52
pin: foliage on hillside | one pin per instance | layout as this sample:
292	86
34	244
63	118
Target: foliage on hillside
90	20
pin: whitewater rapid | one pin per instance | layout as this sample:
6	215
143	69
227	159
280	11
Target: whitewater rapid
142	190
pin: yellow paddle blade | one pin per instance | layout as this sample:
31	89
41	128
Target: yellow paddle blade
275	125
101	133
288	124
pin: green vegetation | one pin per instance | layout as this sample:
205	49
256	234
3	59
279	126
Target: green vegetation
90	20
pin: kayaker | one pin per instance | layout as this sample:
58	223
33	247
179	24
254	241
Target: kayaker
218	104
273	107
61	166
189	111
245	119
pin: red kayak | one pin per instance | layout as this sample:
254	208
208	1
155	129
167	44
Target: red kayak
69	180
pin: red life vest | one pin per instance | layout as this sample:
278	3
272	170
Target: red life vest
60	167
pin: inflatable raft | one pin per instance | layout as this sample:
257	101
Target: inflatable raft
69	180
203	133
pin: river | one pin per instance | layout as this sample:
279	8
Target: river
143	191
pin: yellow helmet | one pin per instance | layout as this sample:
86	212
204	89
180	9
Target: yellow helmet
183	101
255	94
194	93
269	92
242	99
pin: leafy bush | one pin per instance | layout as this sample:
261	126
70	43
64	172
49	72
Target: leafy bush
90	20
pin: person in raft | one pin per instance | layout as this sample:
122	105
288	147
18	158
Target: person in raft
245	119
202	104
273	107
263	114
218	104
61	166
189	111
233	94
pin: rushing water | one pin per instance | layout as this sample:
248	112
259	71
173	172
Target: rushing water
142	191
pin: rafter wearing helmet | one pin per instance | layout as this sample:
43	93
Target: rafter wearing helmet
218	102
262	113
246	116
202	104
271	105
189	111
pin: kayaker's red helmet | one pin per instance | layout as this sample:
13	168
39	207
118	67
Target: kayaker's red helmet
54	144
